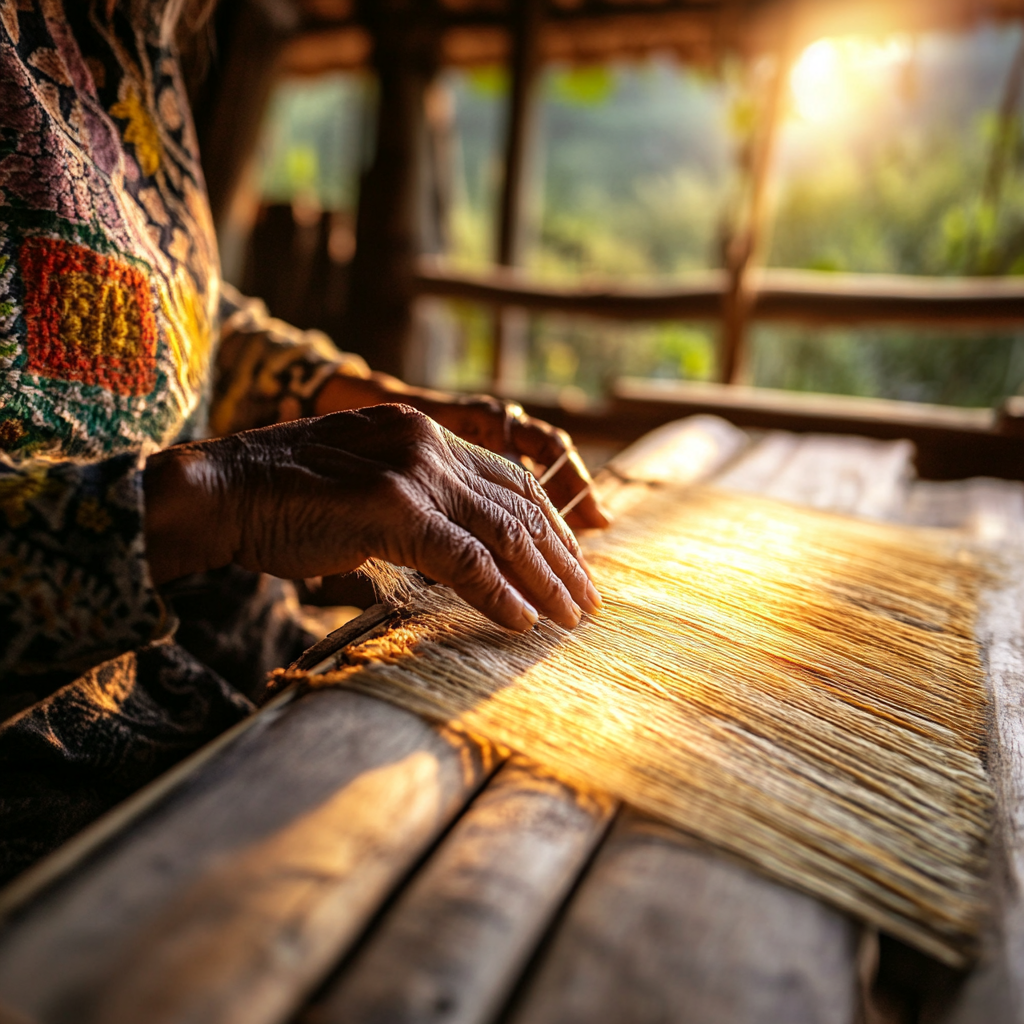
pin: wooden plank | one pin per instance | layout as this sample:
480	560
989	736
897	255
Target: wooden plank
951	443
832	473
786	295
992	511
664	929
451	949
686	451
232	901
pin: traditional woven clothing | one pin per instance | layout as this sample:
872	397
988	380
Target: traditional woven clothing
116	337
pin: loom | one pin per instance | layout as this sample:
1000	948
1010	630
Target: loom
799	689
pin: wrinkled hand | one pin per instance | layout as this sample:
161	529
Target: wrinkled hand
501	427
320	496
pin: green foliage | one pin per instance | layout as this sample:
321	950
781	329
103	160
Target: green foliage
916	366
583	86
312	141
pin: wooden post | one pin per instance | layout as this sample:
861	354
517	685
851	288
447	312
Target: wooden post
231	104
747	239
383	276
524	66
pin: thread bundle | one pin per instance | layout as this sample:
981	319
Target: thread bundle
799	689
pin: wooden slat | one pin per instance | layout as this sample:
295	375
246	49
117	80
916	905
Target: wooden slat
836	474
452	947
456	941
781	295
231	903
992	511
665	930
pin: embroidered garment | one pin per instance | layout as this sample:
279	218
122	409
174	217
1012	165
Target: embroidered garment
111	314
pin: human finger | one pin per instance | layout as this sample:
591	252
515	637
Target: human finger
500	471
568	567
450	554
510	542
567	476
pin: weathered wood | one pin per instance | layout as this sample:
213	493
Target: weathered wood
232	901
684	452
590	31
992	511
380	296
454	944
665	930
784	295
950	443
526	21
837	474
37	879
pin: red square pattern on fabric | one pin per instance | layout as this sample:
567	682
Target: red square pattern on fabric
90	318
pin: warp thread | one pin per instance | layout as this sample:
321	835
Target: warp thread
799	689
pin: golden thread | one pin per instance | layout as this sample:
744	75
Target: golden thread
799	689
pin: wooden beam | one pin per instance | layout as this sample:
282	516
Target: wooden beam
524	68
700	298
810	297
233	900
382	283
950	443
747	243
781	295
228	123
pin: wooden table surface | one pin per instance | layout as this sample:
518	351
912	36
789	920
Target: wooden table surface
336	859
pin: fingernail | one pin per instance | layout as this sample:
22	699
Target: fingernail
530	614
577	612
593	596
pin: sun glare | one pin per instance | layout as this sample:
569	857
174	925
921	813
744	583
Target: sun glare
835	78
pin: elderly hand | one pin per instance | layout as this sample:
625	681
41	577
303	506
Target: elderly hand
499	426
319	497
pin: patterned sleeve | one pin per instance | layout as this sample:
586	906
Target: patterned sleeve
263	362
74	582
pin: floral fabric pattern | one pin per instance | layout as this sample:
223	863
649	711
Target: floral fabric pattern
74	582
111	310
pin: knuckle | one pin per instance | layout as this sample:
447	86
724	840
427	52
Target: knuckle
470	562
535	521
514	537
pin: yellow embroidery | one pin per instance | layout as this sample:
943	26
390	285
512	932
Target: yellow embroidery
141	131
11	432
92	516
99	316
17	491
187	330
